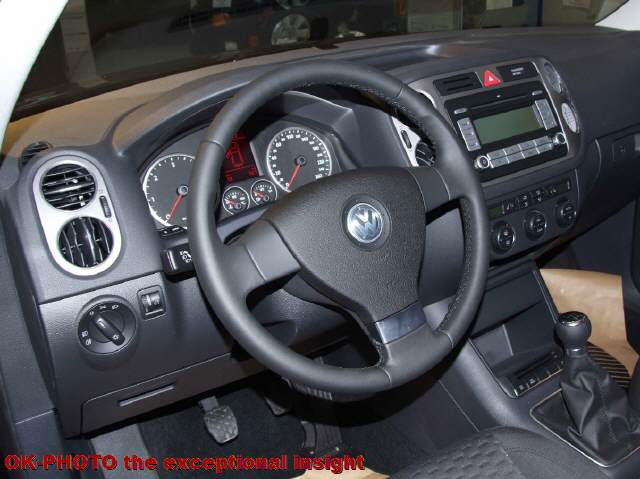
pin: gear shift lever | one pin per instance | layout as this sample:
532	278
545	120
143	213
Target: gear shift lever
600	421
573	330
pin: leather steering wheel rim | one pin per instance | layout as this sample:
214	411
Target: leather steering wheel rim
407	344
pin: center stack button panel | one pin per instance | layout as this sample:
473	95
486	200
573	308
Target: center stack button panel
525	219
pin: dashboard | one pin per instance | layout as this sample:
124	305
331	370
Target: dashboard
95	197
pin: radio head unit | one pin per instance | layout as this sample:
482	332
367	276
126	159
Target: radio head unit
509	128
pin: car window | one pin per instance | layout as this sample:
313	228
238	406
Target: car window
99	45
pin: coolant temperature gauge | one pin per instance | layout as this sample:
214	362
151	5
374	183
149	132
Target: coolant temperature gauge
235	200
263	192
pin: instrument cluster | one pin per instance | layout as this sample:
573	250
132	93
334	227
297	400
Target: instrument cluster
257	170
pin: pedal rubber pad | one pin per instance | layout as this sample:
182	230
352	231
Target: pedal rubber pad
219	420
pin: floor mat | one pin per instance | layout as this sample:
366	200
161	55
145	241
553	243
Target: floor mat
181	433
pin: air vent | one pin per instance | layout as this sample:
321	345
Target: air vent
85	242
32	150
457	83
424	154
68	187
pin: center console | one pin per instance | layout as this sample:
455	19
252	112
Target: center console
514	118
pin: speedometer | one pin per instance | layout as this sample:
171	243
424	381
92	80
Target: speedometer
297	156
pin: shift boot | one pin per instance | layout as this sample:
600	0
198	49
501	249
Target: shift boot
602	422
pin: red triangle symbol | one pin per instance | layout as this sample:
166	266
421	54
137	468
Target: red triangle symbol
490	79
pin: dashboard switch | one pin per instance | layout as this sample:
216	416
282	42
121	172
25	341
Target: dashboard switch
151	302
177	260
490	79
108	330
106	327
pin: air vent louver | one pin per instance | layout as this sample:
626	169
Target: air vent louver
32	150
68	187
85	242
457	83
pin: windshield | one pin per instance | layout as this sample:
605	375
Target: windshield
99	45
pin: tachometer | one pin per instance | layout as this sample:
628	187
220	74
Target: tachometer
166	185
297	156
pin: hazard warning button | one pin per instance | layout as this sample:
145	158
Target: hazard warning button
490	79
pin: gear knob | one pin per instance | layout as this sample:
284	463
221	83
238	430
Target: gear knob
573	330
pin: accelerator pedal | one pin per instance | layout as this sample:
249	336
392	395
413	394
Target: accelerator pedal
318	419
219	420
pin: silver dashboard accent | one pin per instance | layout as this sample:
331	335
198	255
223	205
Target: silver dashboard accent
53	220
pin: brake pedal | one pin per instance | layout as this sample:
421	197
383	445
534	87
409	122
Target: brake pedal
219	420
278	396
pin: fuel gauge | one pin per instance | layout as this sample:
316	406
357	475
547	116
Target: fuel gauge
235	200
263	192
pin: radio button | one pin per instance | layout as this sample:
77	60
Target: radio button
526	145
499	162
543	140
544	109
515	157
493	155
509	150
464	123
544	148
530	152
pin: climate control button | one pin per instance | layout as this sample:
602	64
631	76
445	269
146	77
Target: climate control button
535	224
503	237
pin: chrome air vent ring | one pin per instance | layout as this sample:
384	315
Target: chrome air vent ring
82	214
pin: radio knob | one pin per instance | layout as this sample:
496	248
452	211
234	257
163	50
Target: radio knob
481	163
559	139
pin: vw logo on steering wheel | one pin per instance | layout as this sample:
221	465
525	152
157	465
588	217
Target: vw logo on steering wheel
364	223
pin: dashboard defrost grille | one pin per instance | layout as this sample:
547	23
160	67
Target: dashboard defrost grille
85	242
457	83
33	150
68	187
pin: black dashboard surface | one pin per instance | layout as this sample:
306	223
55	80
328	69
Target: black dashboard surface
123	133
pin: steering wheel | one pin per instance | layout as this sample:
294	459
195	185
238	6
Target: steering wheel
357	238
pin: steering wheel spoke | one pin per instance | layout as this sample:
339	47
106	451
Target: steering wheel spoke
435	188
261	257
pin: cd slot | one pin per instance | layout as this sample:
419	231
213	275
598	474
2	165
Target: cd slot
500	102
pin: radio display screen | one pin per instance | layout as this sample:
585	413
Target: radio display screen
506	125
